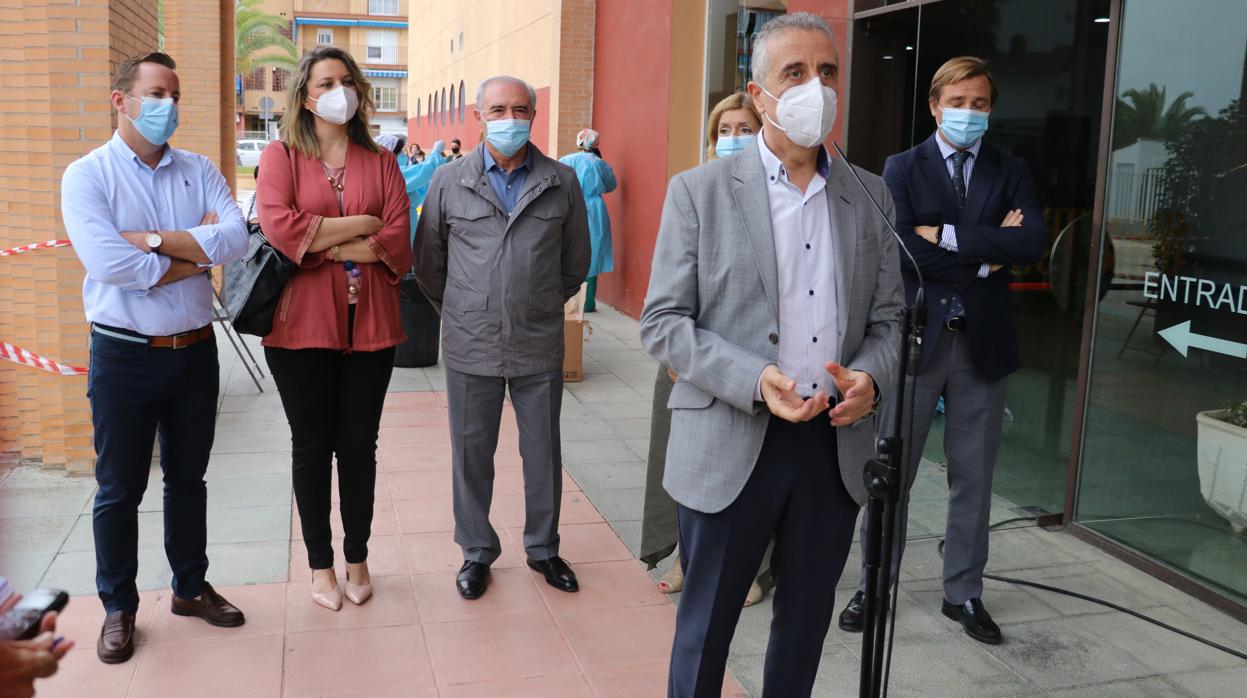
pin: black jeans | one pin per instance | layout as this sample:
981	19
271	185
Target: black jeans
333	402
138	393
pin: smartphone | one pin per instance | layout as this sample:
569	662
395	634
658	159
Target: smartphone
22	621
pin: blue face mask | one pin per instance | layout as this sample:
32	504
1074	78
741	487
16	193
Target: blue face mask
964	127
726	145
508	135
157	120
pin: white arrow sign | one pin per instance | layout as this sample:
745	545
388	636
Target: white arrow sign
1183	339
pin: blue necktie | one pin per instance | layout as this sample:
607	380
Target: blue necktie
955	308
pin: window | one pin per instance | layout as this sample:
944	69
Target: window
462	102
254	80
281	79
443	106
452	105
418	101
382	47
287	30
460	39
324	36
385	97
382	7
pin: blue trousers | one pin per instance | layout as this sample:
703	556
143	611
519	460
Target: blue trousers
794	494
138	394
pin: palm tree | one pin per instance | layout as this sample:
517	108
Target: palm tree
1142	114
258	39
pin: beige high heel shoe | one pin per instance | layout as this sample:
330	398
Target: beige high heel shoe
357	593
673	581
331	599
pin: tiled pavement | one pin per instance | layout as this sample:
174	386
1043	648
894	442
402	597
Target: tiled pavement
417	638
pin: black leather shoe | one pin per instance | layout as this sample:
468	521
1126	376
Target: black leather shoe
853	617
976	620
473	579
557	572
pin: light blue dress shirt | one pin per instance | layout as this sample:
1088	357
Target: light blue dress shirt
508	186
109	191
948	237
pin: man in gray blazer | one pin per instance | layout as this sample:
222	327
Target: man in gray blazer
502	243
775	295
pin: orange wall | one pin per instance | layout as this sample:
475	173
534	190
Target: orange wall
469	130
631	103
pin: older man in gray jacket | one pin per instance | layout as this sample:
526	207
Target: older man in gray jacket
502	243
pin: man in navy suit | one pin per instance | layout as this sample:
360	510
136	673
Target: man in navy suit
967	212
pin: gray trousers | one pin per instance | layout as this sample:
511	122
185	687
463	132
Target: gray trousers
973	416
475	404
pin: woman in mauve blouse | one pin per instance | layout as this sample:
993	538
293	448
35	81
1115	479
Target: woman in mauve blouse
336	205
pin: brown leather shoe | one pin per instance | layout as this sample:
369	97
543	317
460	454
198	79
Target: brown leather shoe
211	607
116	643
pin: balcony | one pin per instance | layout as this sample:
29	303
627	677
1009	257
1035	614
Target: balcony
370	57
395	9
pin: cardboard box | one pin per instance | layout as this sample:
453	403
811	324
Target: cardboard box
574	334
575	330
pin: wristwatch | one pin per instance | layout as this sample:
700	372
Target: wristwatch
153	241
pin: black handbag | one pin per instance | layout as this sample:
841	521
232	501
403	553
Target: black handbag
253	285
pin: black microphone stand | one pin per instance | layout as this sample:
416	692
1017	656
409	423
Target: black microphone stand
884	477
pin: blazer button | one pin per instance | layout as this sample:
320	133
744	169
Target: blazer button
943	301
773	338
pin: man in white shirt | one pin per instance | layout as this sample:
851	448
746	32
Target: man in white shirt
148	221
775	296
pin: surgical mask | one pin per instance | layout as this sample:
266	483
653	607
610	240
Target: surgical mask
963	127
338	105
806	112
508	135
726	145
158	119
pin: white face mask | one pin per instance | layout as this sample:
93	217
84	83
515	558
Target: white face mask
806	112
337	106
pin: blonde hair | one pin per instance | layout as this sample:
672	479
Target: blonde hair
298	125
957	69
732	102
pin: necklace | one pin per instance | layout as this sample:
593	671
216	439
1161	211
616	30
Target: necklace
335	175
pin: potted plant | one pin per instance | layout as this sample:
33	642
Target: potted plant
1221	443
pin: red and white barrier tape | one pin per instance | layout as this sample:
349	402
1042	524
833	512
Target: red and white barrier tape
34	246
18	355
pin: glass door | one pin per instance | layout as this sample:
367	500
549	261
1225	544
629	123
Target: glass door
1164	461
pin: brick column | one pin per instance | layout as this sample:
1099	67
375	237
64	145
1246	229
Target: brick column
193	36
572	93
61	57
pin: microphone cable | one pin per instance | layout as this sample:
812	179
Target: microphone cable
1092	599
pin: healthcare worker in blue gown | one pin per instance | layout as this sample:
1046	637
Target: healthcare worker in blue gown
596	178
418	175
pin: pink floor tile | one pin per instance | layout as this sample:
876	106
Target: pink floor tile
511	592
497	649
620	636
420	437
421	484
569	483
397	460
414	399
617	584
80	669
425	515
564	686
264	605
580	543
413	417
576	509
357	660
238	667
392	604
438	552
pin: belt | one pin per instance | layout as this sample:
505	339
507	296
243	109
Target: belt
956	324
173	341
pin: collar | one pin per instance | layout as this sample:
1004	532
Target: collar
775	169
119	146
946	150
491	163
